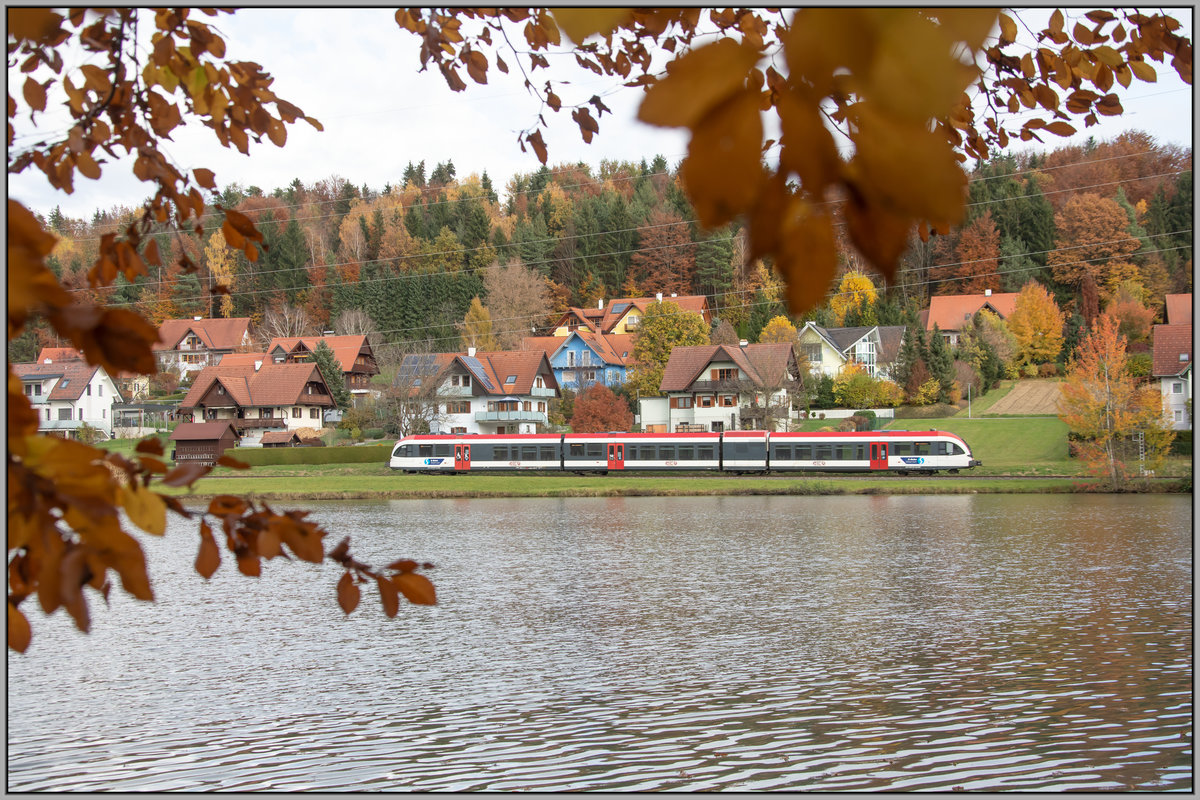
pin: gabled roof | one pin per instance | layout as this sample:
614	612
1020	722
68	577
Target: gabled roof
57	355
760	362
610	348
271	385
279	437
345	348
420	366
952	312
490	370
1171	344
193	431
244	359
215	334
842	339
73	376
603	321
1179	309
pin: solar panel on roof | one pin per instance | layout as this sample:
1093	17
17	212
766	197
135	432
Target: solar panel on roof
478	371
619	307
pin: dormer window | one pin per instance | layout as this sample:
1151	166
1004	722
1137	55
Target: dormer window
1183	356
511	379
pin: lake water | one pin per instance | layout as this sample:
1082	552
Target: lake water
984	642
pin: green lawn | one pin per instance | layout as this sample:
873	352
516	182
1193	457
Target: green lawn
1014	446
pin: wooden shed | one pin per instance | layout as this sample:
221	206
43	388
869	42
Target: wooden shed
202	442
280	439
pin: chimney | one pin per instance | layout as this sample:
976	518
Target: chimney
197	318
658	296
987	292
257	364
742	344
470	352
600	304
327	333
674	294
47	360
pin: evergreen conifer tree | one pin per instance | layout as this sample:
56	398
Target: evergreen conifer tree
331	371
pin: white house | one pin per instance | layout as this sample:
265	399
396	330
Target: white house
495	392
710	387
1173	368
830	349
68	395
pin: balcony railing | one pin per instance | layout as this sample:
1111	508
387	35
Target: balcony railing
541	391
241	425
510	416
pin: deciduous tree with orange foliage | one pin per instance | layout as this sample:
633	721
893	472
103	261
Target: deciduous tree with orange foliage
1105	408
1037	325
1093	237
598	410
978	255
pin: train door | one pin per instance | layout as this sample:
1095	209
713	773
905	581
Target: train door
462	457
616	455
879	455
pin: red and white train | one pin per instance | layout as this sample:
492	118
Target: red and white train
901	452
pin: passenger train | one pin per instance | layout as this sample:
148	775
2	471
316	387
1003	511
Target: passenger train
900	452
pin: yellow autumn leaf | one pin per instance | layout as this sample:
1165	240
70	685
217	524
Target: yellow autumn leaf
915	73
582	22
723	170
807	147
145	508
697	82
1143	71
967	24
907	167
824	40
807	256
1008	29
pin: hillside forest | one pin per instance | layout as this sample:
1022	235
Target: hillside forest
403	261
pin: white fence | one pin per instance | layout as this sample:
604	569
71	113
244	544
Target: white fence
843	413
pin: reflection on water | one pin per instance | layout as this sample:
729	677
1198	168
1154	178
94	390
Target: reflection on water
807	643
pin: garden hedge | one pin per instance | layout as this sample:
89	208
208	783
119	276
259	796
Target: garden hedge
272	456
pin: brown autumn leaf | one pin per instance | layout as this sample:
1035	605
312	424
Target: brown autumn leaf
19	632
209	556
417	589
722	171
226	504
580	23
185	474
232	463
151	445
248	563
31	286
348	593
72	569
403	565
696	82
145	508
389	595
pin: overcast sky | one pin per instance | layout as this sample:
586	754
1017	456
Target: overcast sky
356	71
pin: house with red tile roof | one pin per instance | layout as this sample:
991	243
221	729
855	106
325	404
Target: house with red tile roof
131	384
187	346
271	397
622	316
953	313
714	387
582	358
1173	368
828	350
352	352
68	395
1179	309
473	392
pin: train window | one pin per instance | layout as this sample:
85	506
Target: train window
667	452
631	452
500	454
955	450
441	450
707	452
687	452
939	448
860	452
902	448
921	449
784	452
844	452
546	453
824	452
529	453
804	452
595	450
576	450
425	450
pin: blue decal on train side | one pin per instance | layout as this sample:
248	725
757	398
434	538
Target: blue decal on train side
434	462
911	460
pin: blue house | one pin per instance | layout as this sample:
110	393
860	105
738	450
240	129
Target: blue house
582	358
